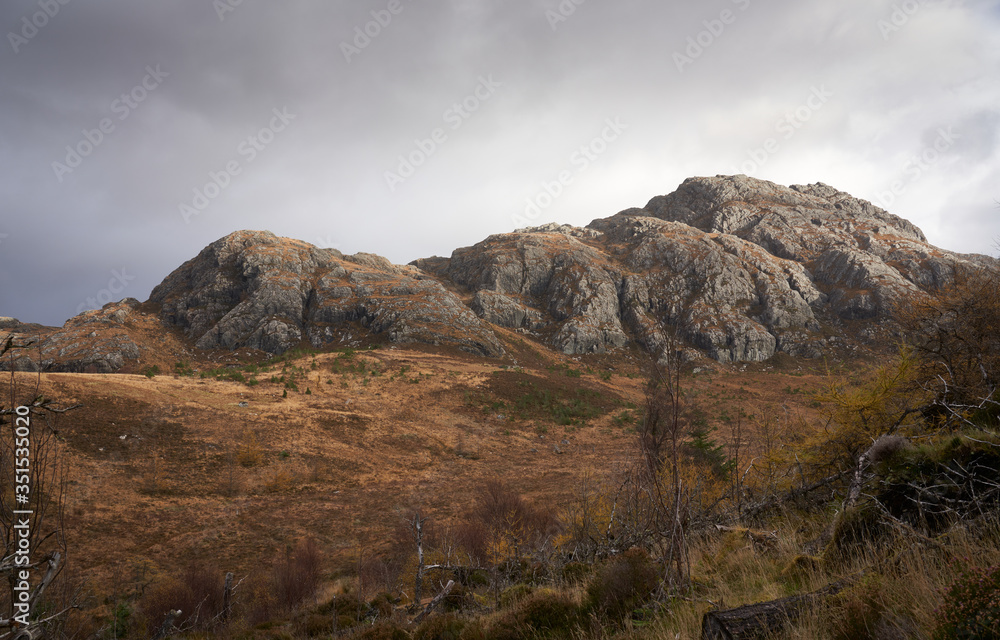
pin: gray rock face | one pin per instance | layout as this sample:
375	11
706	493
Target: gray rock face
253	289
94	341
544	281
726	296
863	256
740	268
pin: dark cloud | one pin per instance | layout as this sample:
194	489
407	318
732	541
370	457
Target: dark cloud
698	89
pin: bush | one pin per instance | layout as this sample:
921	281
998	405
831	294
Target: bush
249	452
457	599
800	569
502	525
971	606
858	531
183	369
350	610
958	472
888	449
197	593
381	606
544	614
256	601
575	572
293	579
315	625
381	631
859	610
623	584
296	576
955	335
515	594
445	627
121	621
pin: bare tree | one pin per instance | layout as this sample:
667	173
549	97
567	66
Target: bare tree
956	335
611	514
736	446
660	442
32	506
417	523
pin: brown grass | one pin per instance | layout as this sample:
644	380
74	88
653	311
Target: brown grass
338	465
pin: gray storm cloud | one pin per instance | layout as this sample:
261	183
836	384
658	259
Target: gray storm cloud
132	134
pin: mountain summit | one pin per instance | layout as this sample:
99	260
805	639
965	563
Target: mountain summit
740	268
743	268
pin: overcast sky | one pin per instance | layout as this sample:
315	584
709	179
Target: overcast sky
133	133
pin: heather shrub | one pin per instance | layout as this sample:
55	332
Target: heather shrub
458	598
444	627
380	606
348	609
575	572
544	614
888	447
623	584
514	594
859	610
385	630
971	606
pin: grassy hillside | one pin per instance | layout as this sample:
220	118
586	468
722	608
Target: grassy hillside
303	476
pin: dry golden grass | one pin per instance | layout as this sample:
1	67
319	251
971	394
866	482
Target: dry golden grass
171	468
198	474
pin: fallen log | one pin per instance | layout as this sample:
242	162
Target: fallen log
433	603
761	620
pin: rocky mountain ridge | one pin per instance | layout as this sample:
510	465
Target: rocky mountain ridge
740	268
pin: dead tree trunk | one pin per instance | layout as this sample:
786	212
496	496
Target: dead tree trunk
761	620
227	597
435	602
858	480
418	534
167	626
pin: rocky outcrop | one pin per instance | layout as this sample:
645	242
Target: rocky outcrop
740	268
93	342
254	289
865	258
638	276
544	280
724	295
